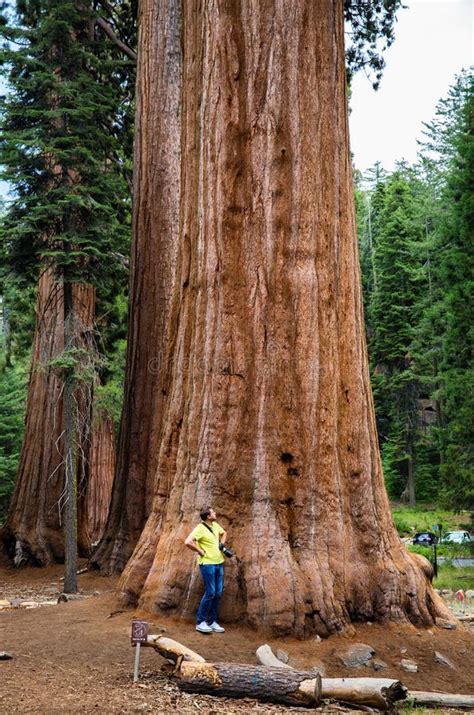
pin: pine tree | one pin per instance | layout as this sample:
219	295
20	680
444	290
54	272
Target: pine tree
62	148
395	312
13	382
456	264
445	338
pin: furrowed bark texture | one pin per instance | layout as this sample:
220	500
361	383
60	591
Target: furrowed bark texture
33	530
153	264
269	413
95	500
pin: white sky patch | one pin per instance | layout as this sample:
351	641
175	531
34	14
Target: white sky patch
433	43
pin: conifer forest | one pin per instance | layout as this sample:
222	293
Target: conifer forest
204	300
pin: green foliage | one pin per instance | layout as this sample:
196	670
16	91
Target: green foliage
446	551
394	310
449	165
409	520
66	152
416	229
371	33
454	578
59	145
13	383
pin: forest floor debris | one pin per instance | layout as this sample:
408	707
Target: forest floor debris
75	659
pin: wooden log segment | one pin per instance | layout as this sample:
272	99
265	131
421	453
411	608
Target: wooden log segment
266	656
172	650
446	700
377	692
380	693
277	685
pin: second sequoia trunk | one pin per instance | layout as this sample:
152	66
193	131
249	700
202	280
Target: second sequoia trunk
269	414
34	527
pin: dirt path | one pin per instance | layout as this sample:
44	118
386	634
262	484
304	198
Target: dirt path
73	658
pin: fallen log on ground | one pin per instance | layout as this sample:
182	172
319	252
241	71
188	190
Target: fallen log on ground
447	700
172	650
235	680
286	685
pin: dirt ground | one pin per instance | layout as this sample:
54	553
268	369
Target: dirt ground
74	658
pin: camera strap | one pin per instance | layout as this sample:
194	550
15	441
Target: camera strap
211	530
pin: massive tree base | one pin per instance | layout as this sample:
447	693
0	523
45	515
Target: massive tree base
267	408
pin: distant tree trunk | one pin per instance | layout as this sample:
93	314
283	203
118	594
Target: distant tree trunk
153	266
411	477
269	413
34	527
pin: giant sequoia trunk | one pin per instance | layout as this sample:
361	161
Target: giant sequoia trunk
268	413
155	238
34	527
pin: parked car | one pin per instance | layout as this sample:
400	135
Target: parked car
425	538
457	537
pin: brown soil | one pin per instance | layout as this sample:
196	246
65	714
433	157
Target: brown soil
72	657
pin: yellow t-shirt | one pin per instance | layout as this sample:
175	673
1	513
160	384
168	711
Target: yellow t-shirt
208	542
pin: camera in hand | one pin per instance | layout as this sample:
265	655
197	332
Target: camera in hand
227	552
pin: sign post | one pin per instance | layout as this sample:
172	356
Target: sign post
139	636
438	528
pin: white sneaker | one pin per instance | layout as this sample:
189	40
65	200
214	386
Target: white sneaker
204	628
216	628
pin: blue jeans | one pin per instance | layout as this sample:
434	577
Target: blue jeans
213	577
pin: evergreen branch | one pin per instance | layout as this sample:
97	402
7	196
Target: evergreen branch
107	6
107	29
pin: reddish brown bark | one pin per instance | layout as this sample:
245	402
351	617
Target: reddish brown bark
269	414
33	530
96	489
153	264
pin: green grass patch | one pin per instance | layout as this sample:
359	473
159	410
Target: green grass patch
409	520
449	576
448	551
454	578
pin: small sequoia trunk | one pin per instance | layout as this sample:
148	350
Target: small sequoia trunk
34	527
269	413
290	687
94	501
155	238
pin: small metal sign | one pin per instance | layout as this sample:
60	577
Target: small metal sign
139	631
139	636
